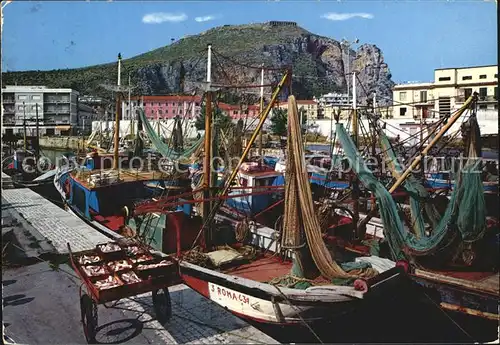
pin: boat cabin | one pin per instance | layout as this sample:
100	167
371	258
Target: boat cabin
255	178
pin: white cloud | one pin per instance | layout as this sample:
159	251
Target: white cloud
160	17
205	18
345	16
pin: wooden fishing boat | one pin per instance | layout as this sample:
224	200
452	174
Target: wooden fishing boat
469	284
237	268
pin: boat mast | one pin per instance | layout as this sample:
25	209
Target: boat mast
416	161
208	148
117	117
355	182
131	117
261	109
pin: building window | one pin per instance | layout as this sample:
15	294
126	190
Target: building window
179	104
166	111
22	97
495	93
423	96
402	111
482	76
402	96
467	77
20	107
482	92
444	79
36	97
496	76
467	93
160	112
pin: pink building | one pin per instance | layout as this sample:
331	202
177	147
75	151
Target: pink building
166	107
185	106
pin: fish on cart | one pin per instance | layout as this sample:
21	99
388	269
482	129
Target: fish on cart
119	265
134	250
89	259
142	258
94	271
130	278
150	266
109	247
107	283
101	287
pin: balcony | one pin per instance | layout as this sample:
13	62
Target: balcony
481	99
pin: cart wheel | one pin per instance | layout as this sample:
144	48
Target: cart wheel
89	317
162	305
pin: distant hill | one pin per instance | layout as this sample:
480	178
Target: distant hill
317	64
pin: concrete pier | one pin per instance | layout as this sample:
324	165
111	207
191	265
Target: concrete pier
40	292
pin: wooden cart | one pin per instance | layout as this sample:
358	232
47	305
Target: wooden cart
156	279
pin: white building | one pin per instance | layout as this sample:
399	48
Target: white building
57	110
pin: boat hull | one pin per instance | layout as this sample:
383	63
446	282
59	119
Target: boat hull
251	302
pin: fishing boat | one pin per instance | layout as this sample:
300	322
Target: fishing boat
457	269
237	268
105	186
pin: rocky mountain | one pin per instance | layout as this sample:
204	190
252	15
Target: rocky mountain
318	64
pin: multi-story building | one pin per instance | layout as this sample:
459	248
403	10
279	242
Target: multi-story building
57	110
242	111
309	106
448	92
163	107
333	103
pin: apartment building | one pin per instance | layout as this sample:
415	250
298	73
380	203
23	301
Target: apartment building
56	109
448	92
331	104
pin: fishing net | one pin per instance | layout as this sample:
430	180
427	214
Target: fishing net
300	214
164	149
418	193
465	213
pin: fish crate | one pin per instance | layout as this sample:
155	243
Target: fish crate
158	268
110	251
88	257
119	265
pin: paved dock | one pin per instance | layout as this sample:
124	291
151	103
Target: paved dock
41	300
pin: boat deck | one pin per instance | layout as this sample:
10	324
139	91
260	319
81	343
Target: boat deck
117	177
488	282
262	269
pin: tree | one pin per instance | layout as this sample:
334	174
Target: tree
222	120
279	121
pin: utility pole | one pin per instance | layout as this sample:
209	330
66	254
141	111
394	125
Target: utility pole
347	44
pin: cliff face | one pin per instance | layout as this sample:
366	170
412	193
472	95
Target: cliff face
317	63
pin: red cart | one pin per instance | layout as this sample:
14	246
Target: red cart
122	269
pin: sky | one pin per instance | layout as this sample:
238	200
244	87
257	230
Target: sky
415	37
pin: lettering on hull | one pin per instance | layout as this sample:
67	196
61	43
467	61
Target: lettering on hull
242	303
